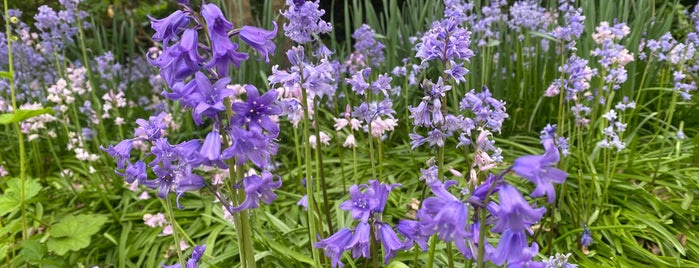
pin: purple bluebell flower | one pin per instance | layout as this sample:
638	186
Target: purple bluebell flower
250	145
586	239
413	233
152	129
381	192
361	204
541	170
358	81
121	152
304	21
225	52
445	41
259	188
514	216
210	152
360	242
445	215
179	60
168	28
256	110
260	39
208	97
192	262
389	240
368	45
335	245
134	172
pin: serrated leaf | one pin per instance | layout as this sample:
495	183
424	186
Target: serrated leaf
73	232
10	200
21	115
6	75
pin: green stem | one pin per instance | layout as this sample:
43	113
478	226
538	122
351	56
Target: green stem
175	230
319	172
309	182
20	137
433	247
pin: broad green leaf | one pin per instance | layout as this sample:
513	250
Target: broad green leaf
21	115
6	75
73	232
32	250
10	200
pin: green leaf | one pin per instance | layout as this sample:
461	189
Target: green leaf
73	232
32	250
10	201
688	199
397	264
6	75
21	115
284	250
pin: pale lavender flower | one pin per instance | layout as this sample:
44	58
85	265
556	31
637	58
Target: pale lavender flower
304	20
541	170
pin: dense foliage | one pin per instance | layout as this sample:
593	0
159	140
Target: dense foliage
457	133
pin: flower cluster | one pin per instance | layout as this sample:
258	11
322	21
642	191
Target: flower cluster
366	203
304	20
613	56
197	75
366	45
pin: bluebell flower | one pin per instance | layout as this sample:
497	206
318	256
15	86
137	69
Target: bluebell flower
413	233
360	203
192	262
260	39
225	52
256	110
541	170
259	188
586	239
208	97
179	60
445	215
152	129
381	192
304	21
514	217
250	145
134	172
210	152
358	81
366	44
121	152
389	240
335	245
361	240
169	28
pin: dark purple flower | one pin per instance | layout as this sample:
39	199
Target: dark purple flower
256	110
260	39
224	50
210	151
180	60
512	248
259	188
541	170
152	129
208	97
134	172
121	152
168	28
360	204
360	243
250	144
335	245
389	240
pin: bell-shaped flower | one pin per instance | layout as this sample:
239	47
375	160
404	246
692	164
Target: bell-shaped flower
259	188
361	241
260	39
168	28
134	172
121	152
250	145
444	214
335	245
208	97
541	170
389	240
210	152
180	60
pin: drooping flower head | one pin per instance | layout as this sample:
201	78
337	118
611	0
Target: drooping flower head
541	170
